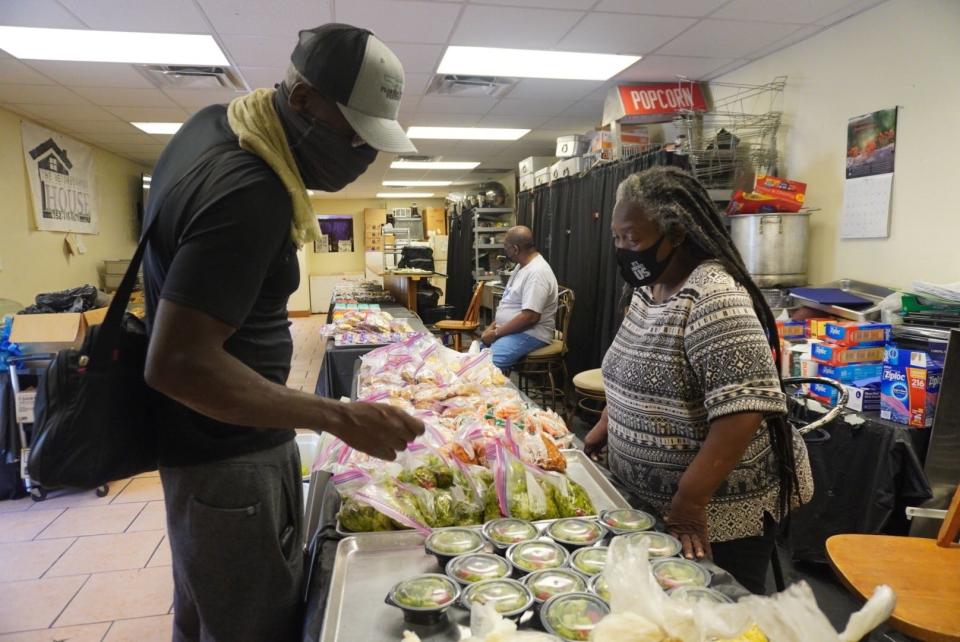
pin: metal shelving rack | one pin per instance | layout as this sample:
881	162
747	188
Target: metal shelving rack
485	231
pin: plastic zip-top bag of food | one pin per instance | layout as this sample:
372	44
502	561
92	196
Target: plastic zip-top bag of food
565	497
356	515
395	501
518	492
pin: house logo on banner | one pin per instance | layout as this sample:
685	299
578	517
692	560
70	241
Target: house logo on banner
61	181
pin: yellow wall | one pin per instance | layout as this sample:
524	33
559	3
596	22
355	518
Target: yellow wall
903	52
336	262
34	261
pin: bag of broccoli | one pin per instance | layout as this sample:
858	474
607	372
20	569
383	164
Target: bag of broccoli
355	515
425	467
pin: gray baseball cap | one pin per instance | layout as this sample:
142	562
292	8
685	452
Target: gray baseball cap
354	68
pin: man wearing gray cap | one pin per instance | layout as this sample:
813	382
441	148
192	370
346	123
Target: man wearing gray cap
227	211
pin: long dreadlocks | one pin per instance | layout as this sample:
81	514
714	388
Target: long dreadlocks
677	202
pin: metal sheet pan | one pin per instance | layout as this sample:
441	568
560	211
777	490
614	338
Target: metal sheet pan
581	470
869	291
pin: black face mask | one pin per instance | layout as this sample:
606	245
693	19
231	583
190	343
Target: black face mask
327	159
642	268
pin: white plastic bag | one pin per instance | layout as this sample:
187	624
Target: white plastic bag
486	625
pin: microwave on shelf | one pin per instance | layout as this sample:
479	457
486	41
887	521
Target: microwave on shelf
412	223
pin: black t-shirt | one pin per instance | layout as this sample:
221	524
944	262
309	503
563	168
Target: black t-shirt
222	246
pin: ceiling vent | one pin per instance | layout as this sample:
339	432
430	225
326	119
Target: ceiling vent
417	158
188	77
471	86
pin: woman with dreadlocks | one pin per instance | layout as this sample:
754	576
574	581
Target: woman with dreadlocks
695	422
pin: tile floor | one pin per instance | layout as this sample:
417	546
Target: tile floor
84	568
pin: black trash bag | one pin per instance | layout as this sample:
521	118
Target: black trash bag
431	316
78	299
11	485
416	257
427	295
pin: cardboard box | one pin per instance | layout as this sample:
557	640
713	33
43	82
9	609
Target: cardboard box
526	183
533	164
570	146
792	330
817	328
909	394
862	373
894	355
53	332
853	333
860	399
541	177
837	355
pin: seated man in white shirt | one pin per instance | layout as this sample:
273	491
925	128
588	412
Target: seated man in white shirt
526	316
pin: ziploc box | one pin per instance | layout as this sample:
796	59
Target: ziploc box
908	394
853	333
834	354
860	372
859	398
792	330
817	328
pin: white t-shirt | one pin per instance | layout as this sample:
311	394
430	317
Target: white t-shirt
531	287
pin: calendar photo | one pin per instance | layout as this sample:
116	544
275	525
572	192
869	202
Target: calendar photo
871	143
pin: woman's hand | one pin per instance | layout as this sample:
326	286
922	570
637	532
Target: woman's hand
596	439
687	521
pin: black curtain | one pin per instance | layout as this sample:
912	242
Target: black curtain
571	224
525	209
460	262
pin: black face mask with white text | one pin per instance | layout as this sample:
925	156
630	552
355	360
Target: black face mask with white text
327	159
639	268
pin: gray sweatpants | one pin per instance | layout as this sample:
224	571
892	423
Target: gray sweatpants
235	529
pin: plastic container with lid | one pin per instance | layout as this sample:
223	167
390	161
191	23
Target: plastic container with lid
507	531
554	581
598	585
574	532
621	521
536	555
661	544
447	543
676	572
509	597
590	560
699	594
573	616
425	598
476	567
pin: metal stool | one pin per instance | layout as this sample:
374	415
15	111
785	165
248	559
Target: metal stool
588	387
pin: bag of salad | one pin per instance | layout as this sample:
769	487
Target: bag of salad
519	493
355	515
396	502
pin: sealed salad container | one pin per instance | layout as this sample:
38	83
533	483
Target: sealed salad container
510	598
573	616
598	585
621	521
536	555
554	581
447	543
507	531
590	560
424	599
476	567
699	594
661	544
672	573
574	532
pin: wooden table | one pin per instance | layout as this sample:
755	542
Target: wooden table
403	286
925	577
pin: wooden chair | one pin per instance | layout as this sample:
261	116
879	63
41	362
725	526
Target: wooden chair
470	322
549	362
589	393
924	573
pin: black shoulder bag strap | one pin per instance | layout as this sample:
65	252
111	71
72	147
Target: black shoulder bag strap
105	348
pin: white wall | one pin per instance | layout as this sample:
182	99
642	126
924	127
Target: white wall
902	52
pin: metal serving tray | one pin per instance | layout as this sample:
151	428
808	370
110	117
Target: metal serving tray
868	291
581	470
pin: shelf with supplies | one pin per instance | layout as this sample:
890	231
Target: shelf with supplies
484	231
491	230
493	211
490	246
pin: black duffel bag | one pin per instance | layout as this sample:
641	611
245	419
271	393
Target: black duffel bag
417	257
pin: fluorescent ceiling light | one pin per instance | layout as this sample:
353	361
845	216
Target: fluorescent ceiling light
466	133
404	194
83	45
158	128
416	183
532	63
406	164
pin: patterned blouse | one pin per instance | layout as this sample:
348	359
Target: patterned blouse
673	368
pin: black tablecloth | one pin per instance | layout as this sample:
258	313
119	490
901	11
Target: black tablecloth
336	370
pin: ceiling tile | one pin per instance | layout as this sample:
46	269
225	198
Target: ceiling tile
91	74
445	120
135	148
513	27
797	36
726	39
529	107
786	11
452	105
619	33
582	5
592	108
191	98
266	18
519	121
112	126
39	95
60	112
400	20
692	8
436	147
417	58
718	73
542	89
262	76
667	68
259	51
14	71
149	114
848	10
572	124
169	16
416	84
122	97
37	13
122	139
